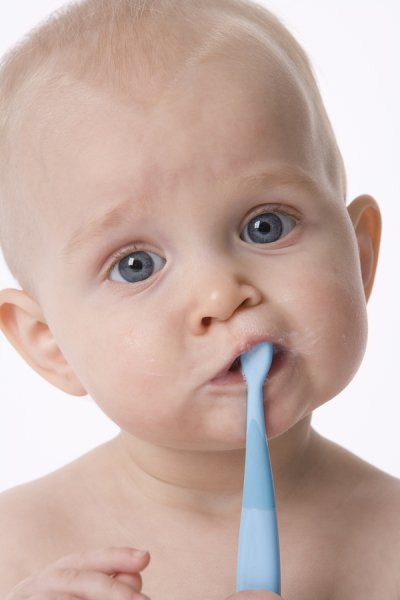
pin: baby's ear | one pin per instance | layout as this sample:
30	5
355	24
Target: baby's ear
22	322
366	218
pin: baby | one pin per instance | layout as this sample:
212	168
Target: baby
171	194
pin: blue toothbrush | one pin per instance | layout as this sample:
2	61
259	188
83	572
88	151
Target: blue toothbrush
258	565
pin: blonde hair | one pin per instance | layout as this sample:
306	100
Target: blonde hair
113	44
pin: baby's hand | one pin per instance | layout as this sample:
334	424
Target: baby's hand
255	595
110	574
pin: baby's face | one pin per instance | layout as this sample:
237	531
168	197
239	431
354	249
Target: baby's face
178	235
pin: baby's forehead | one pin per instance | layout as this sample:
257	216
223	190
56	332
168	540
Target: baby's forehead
143	57
245	63
221	101
215	102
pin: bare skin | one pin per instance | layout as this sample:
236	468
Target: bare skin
150	353
338	532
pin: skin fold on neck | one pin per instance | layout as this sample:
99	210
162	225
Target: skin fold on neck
208	482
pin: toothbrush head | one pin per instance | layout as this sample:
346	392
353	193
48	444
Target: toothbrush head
257	362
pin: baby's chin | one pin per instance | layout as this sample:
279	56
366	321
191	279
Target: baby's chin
223	440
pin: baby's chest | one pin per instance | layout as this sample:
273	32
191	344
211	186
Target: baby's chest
191	565
202	566
339	566
189	560
199	563
202	573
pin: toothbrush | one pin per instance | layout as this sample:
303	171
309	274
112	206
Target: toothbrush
258	565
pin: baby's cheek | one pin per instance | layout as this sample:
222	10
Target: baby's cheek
326	319
131	383
341	307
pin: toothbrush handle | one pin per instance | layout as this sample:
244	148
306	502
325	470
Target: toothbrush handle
258	554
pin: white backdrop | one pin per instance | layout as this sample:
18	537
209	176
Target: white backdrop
354	46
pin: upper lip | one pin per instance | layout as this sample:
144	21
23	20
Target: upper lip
240	349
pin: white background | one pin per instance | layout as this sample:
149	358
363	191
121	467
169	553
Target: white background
354	46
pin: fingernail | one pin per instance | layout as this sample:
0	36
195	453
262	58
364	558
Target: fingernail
140	553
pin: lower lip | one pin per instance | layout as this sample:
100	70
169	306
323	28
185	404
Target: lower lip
236	377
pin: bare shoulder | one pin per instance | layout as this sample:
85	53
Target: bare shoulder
22	523
368	492
376	543
364	505
39	520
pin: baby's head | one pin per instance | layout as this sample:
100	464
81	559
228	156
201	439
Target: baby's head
141	144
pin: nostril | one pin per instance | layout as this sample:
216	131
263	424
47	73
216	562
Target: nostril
206	321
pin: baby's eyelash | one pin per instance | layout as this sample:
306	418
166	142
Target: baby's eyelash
276	208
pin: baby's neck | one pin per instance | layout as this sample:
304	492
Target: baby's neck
207	482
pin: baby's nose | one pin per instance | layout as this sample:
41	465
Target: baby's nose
218	297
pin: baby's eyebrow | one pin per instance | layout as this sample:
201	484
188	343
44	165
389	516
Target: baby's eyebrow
117	215
283	176
114	217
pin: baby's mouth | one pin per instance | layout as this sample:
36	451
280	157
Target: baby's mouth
230	370
235	366
232	373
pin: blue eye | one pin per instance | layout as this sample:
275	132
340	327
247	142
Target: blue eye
268	227
136	266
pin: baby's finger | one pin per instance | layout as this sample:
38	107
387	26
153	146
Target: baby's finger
133	580
85	585
30	589
50	596
108	560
